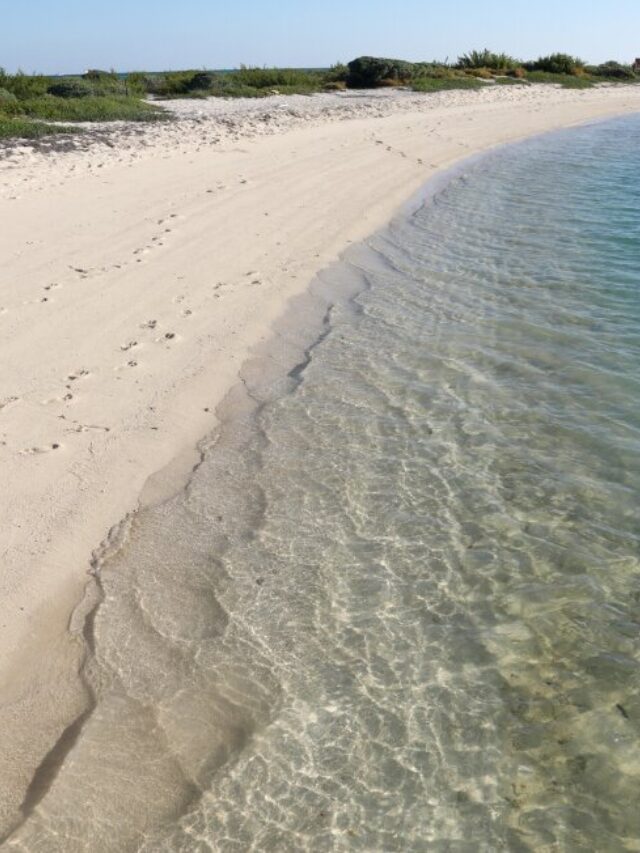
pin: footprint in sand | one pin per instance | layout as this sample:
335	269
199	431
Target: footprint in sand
167	338
129	364
7	401
31	451
78	427
66	398
129	345
77	374
82	272
150	324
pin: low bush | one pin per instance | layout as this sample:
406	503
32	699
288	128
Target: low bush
487	59
482	73
557	63
201	81
24	85
338	73
71	88
613	70
367	72
277	78
7	97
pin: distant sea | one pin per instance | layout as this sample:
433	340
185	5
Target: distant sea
398	606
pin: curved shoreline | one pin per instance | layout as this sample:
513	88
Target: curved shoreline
51	592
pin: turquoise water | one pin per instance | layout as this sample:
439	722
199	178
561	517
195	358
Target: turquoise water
398	606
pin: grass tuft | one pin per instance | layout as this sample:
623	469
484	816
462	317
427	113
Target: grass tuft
91	108
20	128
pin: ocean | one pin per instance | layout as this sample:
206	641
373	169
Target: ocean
397	606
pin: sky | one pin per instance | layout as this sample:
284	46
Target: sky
69	36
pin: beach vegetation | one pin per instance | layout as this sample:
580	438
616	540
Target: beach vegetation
444	84
510	81
21	128
487	59
567	81
482	73
613	71
24	85
368	72
338	73
335	86
90	108
70	88
7	97
99	95
557	63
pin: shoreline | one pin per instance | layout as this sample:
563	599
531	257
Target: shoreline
187	374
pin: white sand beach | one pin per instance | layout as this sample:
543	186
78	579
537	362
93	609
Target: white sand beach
140	267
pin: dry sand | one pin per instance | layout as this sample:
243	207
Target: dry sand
139	268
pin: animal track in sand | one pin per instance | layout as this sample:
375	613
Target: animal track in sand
150	324
129	345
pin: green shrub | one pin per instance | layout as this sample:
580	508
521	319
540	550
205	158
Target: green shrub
24	85
613	70
97	76
7	97
138	83
487	59
70	88
367	72
201	81
557	63
482	73
338	73
277	78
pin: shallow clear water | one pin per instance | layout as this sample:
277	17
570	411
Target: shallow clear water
398	607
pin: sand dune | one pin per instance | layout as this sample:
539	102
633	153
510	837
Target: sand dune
139	268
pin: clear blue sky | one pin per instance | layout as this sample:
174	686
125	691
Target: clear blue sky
72	35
